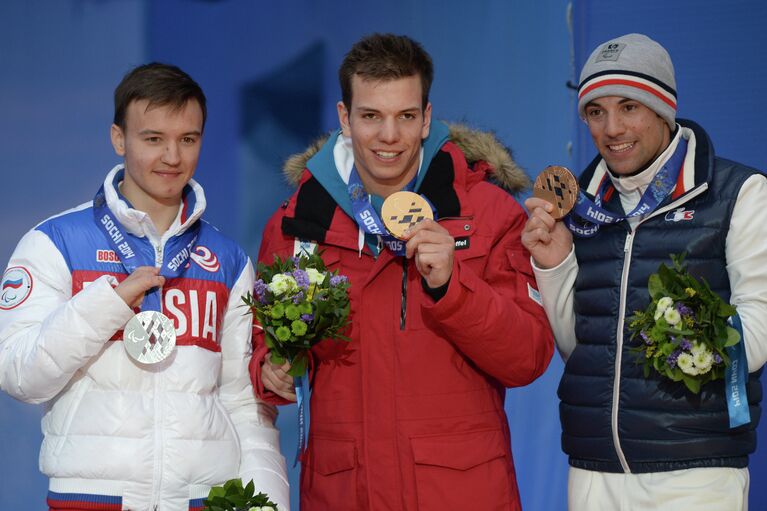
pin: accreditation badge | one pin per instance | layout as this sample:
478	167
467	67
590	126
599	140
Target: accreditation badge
149	337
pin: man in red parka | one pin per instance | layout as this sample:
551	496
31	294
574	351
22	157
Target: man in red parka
410	413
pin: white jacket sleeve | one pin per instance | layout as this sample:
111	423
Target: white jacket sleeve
48	337
746	252
261	459
557	288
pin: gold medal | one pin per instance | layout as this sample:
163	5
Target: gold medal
558	186
402	210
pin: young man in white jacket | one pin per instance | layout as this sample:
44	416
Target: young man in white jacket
144	412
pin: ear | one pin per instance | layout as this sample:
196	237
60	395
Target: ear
343	119
118	139
426	121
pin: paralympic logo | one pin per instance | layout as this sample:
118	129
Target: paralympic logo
15	287
205	259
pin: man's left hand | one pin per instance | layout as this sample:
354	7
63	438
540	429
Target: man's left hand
433	249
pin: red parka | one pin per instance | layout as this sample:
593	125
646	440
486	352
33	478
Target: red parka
410	414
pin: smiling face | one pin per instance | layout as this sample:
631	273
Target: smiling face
387	124
161	146
627	134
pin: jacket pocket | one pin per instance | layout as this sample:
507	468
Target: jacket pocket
469	470
331	481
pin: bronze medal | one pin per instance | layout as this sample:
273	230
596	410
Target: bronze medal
558	186
402	210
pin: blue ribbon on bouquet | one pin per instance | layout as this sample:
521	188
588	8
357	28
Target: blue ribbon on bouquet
735	376
301	385
594	215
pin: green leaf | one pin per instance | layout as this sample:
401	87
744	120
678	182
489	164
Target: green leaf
691	383
733	337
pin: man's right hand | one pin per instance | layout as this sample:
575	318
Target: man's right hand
132	289
549	241
276	379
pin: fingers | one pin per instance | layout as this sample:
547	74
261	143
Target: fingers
276	379
432	248
143	278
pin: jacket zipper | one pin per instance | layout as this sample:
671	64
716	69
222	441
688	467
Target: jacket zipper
158	412
403	303
627	248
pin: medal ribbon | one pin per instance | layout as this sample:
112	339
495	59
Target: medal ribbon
658	189
175	257
365	214
735	379
301	385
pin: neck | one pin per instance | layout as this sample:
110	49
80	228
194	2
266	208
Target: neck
385	188
161	212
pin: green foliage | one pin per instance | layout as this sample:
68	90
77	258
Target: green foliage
295	316
667	347
232	496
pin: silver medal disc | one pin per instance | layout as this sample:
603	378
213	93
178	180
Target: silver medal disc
149	337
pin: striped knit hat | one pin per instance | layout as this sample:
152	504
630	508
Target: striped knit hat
631	66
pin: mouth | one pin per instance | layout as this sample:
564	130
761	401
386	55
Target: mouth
620	148
387	155
167	173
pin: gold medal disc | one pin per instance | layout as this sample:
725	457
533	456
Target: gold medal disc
558	186
402	210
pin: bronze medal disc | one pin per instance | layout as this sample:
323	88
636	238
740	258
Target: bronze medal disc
402	210
558	186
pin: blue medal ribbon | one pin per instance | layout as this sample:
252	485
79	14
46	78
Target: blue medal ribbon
301	385
176	254
368	219
593	215
735	376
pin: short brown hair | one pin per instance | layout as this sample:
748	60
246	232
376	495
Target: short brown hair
162	85
385	57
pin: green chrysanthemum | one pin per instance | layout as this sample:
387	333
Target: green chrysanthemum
278	311
292	312
298	327
283	333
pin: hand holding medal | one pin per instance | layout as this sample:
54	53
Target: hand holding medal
555	193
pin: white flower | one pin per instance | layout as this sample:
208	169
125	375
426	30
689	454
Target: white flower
256	508
282	283
698	348
703	360
685	363
315	277
664	303
267	508
672	316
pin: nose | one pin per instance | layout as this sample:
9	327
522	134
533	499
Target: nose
389	132
614	125
172	154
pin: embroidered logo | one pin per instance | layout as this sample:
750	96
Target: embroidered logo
610	51
205	259
462	243
680	215
15	287
107	256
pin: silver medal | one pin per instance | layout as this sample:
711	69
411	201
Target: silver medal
149	337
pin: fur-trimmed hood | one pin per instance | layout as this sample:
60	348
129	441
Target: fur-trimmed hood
476	146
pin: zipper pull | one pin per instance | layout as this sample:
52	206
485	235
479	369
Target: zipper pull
628	241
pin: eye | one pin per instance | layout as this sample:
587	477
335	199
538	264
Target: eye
630	107
189	140
594	113
370	116
408	116
152	139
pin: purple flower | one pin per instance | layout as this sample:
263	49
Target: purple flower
298	298
644	337
307	317
295	260
302	278
260	289
335	280
717	358
685	345
684	310
671	359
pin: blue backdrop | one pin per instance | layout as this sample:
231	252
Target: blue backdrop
269	71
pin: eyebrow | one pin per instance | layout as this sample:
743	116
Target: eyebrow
155	132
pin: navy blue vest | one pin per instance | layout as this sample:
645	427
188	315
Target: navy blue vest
655	423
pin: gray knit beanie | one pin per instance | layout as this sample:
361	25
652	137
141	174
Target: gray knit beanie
631	66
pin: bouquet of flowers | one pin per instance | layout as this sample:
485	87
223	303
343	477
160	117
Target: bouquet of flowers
298	302
232	496
683	333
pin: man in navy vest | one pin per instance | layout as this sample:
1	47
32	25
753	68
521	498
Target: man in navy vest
134	420
638	443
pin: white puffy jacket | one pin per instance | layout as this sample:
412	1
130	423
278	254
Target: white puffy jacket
119	435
